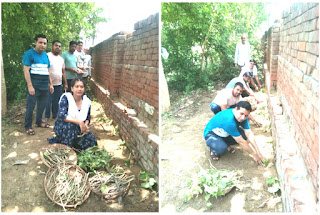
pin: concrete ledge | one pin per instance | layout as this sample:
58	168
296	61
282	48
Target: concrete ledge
298	194
140	140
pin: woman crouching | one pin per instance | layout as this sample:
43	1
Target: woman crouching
72	124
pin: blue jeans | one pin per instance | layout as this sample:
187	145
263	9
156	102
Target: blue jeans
40	97
215	108
53	102
219	145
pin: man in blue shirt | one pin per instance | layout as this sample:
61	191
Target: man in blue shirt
70	61
230	127
36	72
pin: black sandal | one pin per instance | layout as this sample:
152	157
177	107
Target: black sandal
214	156
231	149
30	131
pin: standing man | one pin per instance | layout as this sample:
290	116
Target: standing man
80	57
36	66
243	53
70	61
223	130
57	70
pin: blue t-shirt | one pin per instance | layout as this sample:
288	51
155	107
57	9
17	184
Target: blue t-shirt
39	68
70	60
224	124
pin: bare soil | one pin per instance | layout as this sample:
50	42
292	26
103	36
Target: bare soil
183	150
22	188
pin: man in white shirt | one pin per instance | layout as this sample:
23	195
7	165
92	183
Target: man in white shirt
228	98
57	72
252	69
81	58
243	53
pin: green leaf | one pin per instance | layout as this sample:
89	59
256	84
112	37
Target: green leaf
103	189
207	197
145	185
271	180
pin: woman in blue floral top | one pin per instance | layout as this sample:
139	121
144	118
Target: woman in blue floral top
72	124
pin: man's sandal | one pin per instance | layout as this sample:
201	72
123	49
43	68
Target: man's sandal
214	156
42	125
30	131
231	149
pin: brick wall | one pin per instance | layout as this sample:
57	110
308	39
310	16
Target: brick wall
292	63
125	78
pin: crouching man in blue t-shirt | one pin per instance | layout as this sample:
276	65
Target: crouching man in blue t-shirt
224	129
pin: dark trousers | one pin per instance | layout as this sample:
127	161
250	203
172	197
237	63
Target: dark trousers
53	102
40	98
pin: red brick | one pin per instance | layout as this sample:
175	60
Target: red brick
302	46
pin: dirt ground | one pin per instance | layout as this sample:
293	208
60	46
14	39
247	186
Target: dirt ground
22	188
183	149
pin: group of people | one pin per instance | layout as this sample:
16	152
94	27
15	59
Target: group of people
47	75
231	108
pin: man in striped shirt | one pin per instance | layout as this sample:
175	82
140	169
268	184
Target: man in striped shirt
36	72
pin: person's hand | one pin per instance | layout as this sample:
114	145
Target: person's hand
87	129
66	87
256	87
83	127
235	65
79	71
258	124
31	90
51	88
257	159
260	156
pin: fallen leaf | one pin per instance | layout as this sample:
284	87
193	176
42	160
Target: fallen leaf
20	162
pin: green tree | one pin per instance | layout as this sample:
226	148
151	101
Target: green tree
22	21
201	38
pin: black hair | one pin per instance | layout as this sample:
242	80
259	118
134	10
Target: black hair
79	42
255	62
40	36
72	42
73	82
56	41
244	104
238	84
246	74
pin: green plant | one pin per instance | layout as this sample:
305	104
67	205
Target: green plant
93	159
148	180
265	162
273	185
212	182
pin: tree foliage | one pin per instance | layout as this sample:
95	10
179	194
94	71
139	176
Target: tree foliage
186	27
58	21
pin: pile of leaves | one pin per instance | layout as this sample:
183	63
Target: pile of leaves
212	182
93	158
